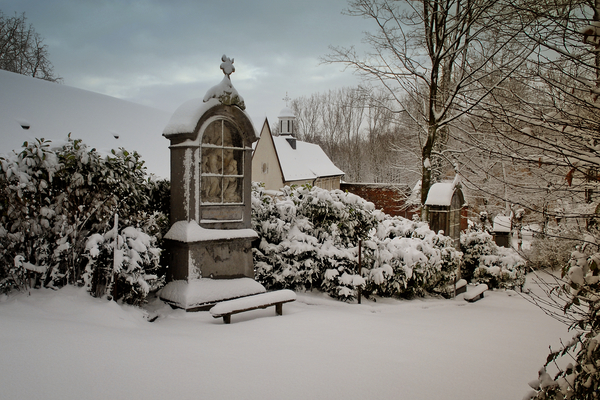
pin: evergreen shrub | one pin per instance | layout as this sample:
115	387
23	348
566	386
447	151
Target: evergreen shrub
54	198
308	238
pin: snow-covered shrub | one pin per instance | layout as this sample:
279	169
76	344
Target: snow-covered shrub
125	265
409	259
580	290
52	198
309	239
486	262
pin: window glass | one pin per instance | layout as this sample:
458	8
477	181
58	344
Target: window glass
222	164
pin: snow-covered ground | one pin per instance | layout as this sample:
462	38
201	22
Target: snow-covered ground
67	345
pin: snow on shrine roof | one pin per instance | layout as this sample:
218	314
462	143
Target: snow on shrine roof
306	161
33	108
440	194
502	223
185	118
286	112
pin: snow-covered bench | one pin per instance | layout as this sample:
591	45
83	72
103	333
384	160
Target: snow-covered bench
460	286
226	308
476	293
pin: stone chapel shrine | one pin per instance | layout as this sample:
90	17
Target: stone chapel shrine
210	239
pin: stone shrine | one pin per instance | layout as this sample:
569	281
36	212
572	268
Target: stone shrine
209	242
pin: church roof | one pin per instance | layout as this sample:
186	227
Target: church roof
306	161
286	112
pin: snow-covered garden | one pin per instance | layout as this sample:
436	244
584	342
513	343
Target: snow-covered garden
66	344
75	222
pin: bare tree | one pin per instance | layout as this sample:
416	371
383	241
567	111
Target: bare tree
356	129
22	49
543	123
431	53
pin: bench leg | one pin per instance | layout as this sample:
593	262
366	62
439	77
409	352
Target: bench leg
279	308
227	318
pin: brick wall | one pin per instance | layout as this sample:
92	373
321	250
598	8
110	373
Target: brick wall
388	197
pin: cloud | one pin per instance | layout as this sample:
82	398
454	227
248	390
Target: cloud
157	53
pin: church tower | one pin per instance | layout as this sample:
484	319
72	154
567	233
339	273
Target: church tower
287	122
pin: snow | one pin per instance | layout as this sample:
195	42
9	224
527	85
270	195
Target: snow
307	161
188	294
225	93
52	111
190	231
440	194
258	300
187	115
286	112
476	291
66	344
502	223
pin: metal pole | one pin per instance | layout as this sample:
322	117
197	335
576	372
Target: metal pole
359	268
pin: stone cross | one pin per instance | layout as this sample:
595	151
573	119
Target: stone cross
227	65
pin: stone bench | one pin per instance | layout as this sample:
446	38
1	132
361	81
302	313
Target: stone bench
226	308
476	293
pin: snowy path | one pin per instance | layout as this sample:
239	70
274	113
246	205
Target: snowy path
67	345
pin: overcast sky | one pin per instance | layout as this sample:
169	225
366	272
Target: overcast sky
162	53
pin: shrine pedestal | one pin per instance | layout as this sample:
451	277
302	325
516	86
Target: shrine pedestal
201	254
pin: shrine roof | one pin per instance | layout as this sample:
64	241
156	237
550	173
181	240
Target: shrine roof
185	118
440	194
502	223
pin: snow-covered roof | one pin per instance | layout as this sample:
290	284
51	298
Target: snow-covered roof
306	161
286	112
440	194
52	111
185	118
502	223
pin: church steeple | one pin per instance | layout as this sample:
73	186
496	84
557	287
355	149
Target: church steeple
287	119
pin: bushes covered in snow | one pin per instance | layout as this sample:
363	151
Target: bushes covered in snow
486	262
309	239
124	264
53	198
409	259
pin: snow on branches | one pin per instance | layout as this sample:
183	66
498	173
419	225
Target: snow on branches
54	197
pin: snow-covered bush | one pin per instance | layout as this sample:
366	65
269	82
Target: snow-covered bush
580	290
52	198
125	265
486	262
309	239
409	259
